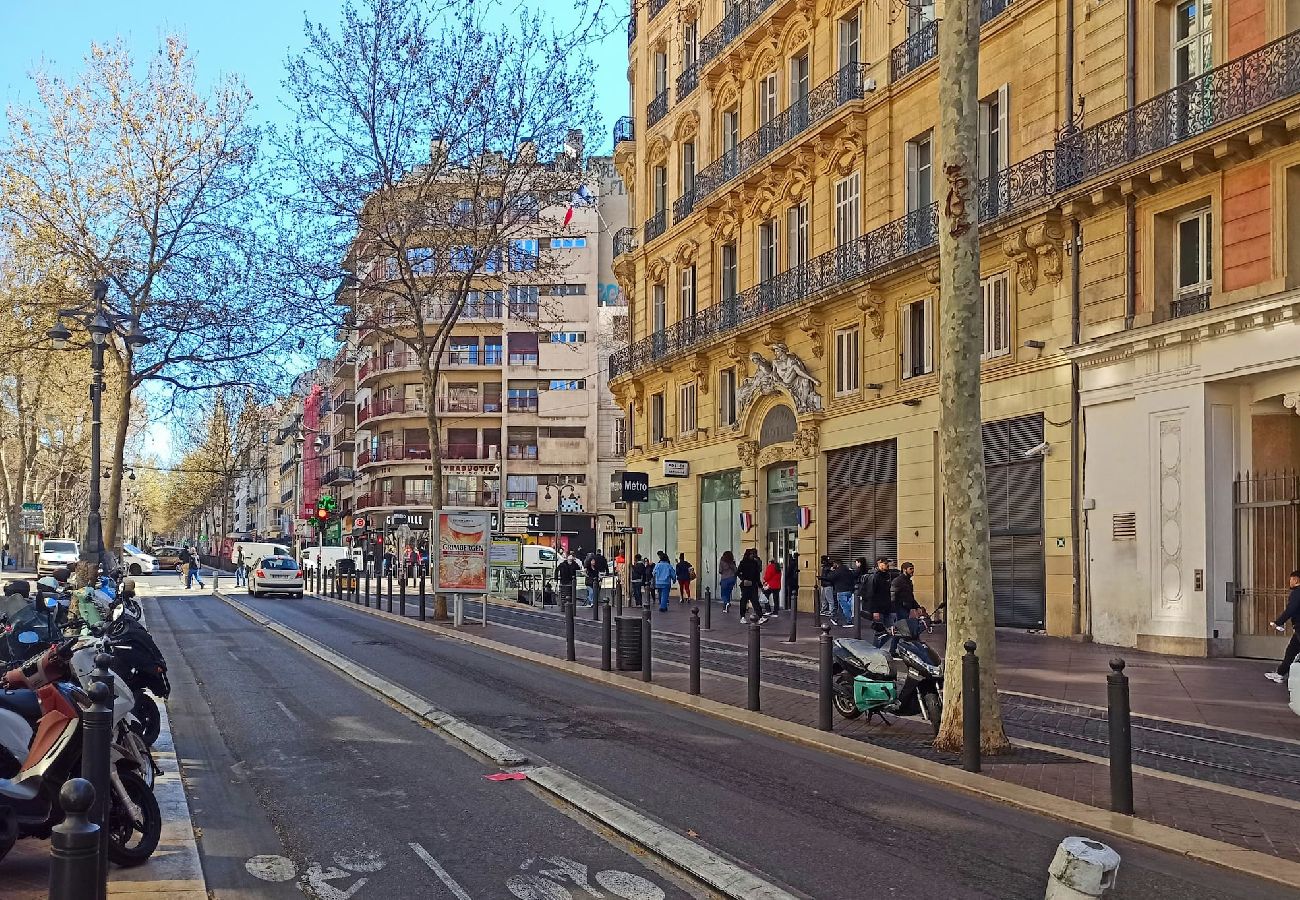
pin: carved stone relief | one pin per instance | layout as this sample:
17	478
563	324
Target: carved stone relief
1170	492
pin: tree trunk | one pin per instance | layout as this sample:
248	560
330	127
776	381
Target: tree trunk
961	453
429	374
112	506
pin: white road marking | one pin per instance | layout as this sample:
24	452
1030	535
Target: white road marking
443	875
272	868
284	709
314	883
359	860
628	886
534	887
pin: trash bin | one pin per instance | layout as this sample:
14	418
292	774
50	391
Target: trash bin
627	643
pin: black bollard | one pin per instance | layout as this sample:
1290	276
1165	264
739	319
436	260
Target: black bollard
857	618
96	741
1121	739
695	652
606	637
708	609
421	595
825	678
754	649
74	845
970	709
367	587
401	599
595	603
645	643
618	595
570	652
794	621
390	589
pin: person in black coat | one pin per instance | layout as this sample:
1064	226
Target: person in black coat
597	566
904	596
637	578
1290	614
567	573
877	599
750	575
792	581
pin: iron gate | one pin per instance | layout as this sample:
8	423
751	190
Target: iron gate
1266	550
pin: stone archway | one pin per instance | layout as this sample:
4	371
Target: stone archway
778	426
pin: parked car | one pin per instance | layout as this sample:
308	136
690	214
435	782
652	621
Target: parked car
56	554
276	575
137	562
167	556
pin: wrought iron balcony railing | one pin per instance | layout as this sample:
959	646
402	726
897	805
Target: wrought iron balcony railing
740	17
1189	305
624	240
339	475
1226	92
657	108
688	80
624	130
1014	188
837	90
655	7
991	9
631	28
920	47
655	226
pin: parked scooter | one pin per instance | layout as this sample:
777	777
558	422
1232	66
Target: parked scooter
902	676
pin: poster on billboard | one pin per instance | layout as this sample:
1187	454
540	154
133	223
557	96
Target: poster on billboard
507	551
462	543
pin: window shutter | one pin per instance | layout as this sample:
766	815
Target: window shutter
928	331
981	152
912	183
1004	134
905	338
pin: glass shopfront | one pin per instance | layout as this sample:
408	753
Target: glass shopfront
719	525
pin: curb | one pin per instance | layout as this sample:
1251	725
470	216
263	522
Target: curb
1161	837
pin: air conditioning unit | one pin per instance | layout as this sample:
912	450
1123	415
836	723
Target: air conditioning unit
492	452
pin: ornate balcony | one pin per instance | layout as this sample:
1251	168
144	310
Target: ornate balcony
741	16
624	240
1189	305
393	451
339	475
657	108
688	80
822	101
655	226
1224	93
920	47
1013	189
631	28
395	406
656	7
624	130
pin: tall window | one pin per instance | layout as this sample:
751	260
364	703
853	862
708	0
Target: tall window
847	361
919	15
920	172
660	308
767	99
992	148
847	209
686	305
688	167
686	408
916	338
657	418
1193	39
796	235
800	73
660	72
767	250
659	188
620	436
997	316
690	43
850	40
727	398
727	282
730	129
1195	262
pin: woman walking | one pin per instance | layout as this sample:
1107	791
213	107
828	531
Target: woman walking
750	573
664	573
771	587
727	577
685	575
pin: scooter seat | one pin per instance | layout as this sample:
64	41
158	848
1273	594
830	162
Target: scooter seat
23	702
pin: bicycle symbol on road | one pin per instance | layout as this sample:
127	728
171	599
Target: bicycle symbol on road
314	879
552	873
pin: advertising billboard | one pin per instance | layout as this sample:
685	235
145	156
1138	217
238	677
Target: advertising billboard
461	547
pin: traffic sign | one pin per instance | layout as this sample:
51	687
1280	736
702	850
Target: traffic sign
516	504
630	529
636	487
516	523
33	517
359	522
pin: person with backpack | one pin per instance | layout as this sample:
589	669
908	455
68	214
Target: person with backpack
750	575
685	575
727	578
664	572
825	588
637	577
567	573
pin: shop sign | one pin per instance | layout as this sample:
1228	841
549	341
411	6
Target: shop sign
676	468
636	487
477	469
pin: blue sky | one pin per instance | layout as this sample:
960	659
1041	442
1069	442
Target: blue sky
248	37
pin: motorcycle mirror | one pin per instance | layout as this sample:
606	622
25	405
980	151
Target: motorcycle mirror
28	637
51	603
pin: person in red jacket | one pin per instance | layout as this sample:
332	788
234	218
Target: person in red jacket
771	587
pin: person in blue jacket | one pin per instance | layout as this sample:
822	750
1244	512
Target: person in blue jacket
664	573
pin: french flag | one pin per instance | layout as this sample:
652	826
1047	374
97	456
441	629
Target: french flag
746	521
581	197
805	516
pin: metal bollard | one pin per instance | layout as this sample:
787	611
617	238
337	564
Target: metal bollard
606	637
97	740
1082	868
401	599
970	709
422	595
216	579
825	678
390	589
794	621
1121	739
708	609
695	652
618	595
595	603
570	652
857	618
367	587
755	648
74	845
645	643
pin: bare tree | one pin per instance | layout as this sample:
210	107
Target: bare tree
961	446
437	156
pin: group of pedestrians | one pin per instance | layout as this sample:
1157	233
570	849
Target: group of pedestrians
881	594
593	568
188	569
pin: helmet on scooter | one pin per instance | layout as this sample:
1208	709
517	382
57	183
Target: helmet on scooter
20	588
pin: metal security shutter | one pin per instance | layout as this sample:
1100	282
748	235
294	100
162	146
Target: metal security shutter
862	502
1015	493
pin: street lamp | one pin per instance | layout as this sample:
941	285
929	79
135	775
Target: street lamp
559	505
100	322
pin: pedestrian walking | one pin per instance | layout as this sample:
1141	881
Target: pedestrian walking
637	577
843	581
903	594
685	575
771	587
726	578
241	573
1290	614
664	572
596	567
792	581
567	573
750	576
825	589
877	602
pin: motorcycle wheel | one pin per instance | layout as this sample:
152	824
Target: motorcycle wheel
843	700
136	748
933	710
148	720
131	843
8	830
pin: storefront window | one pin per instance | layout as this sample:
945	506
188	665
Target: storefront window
658	519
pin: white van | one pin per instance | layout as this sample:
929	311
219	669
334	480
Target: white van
541	559
57	553
329	556
255	550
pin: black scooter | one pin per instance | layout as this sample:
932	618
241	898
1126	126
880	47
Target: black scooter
898	674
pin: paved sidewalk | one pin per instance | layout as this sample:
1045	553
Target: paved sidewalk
1183	804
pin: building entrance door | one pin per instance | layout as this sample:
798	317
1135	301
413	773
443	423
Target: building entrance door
1266	511
781	543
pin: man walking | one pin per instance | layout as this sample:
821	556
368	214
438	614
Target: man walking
567	573
638	579
1290	614
241	577
825	590
878	603
597	567
750	574
843	580
904	595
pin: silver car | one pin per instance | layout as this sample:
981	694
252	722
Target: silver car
276	575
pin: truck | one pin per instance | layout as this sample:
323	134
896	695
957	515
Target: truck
330	556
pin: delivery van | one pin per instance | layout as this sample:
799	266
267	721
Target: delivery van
330	556
541	559
255	550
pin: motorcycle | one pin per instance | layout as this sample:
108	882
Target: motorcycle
897	675
51	754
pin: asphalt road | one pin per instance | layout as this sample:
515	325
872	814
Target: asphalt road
295	773
340	771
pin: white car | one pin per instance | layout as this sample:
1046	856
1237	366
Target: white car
137	562
57	554
276	575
